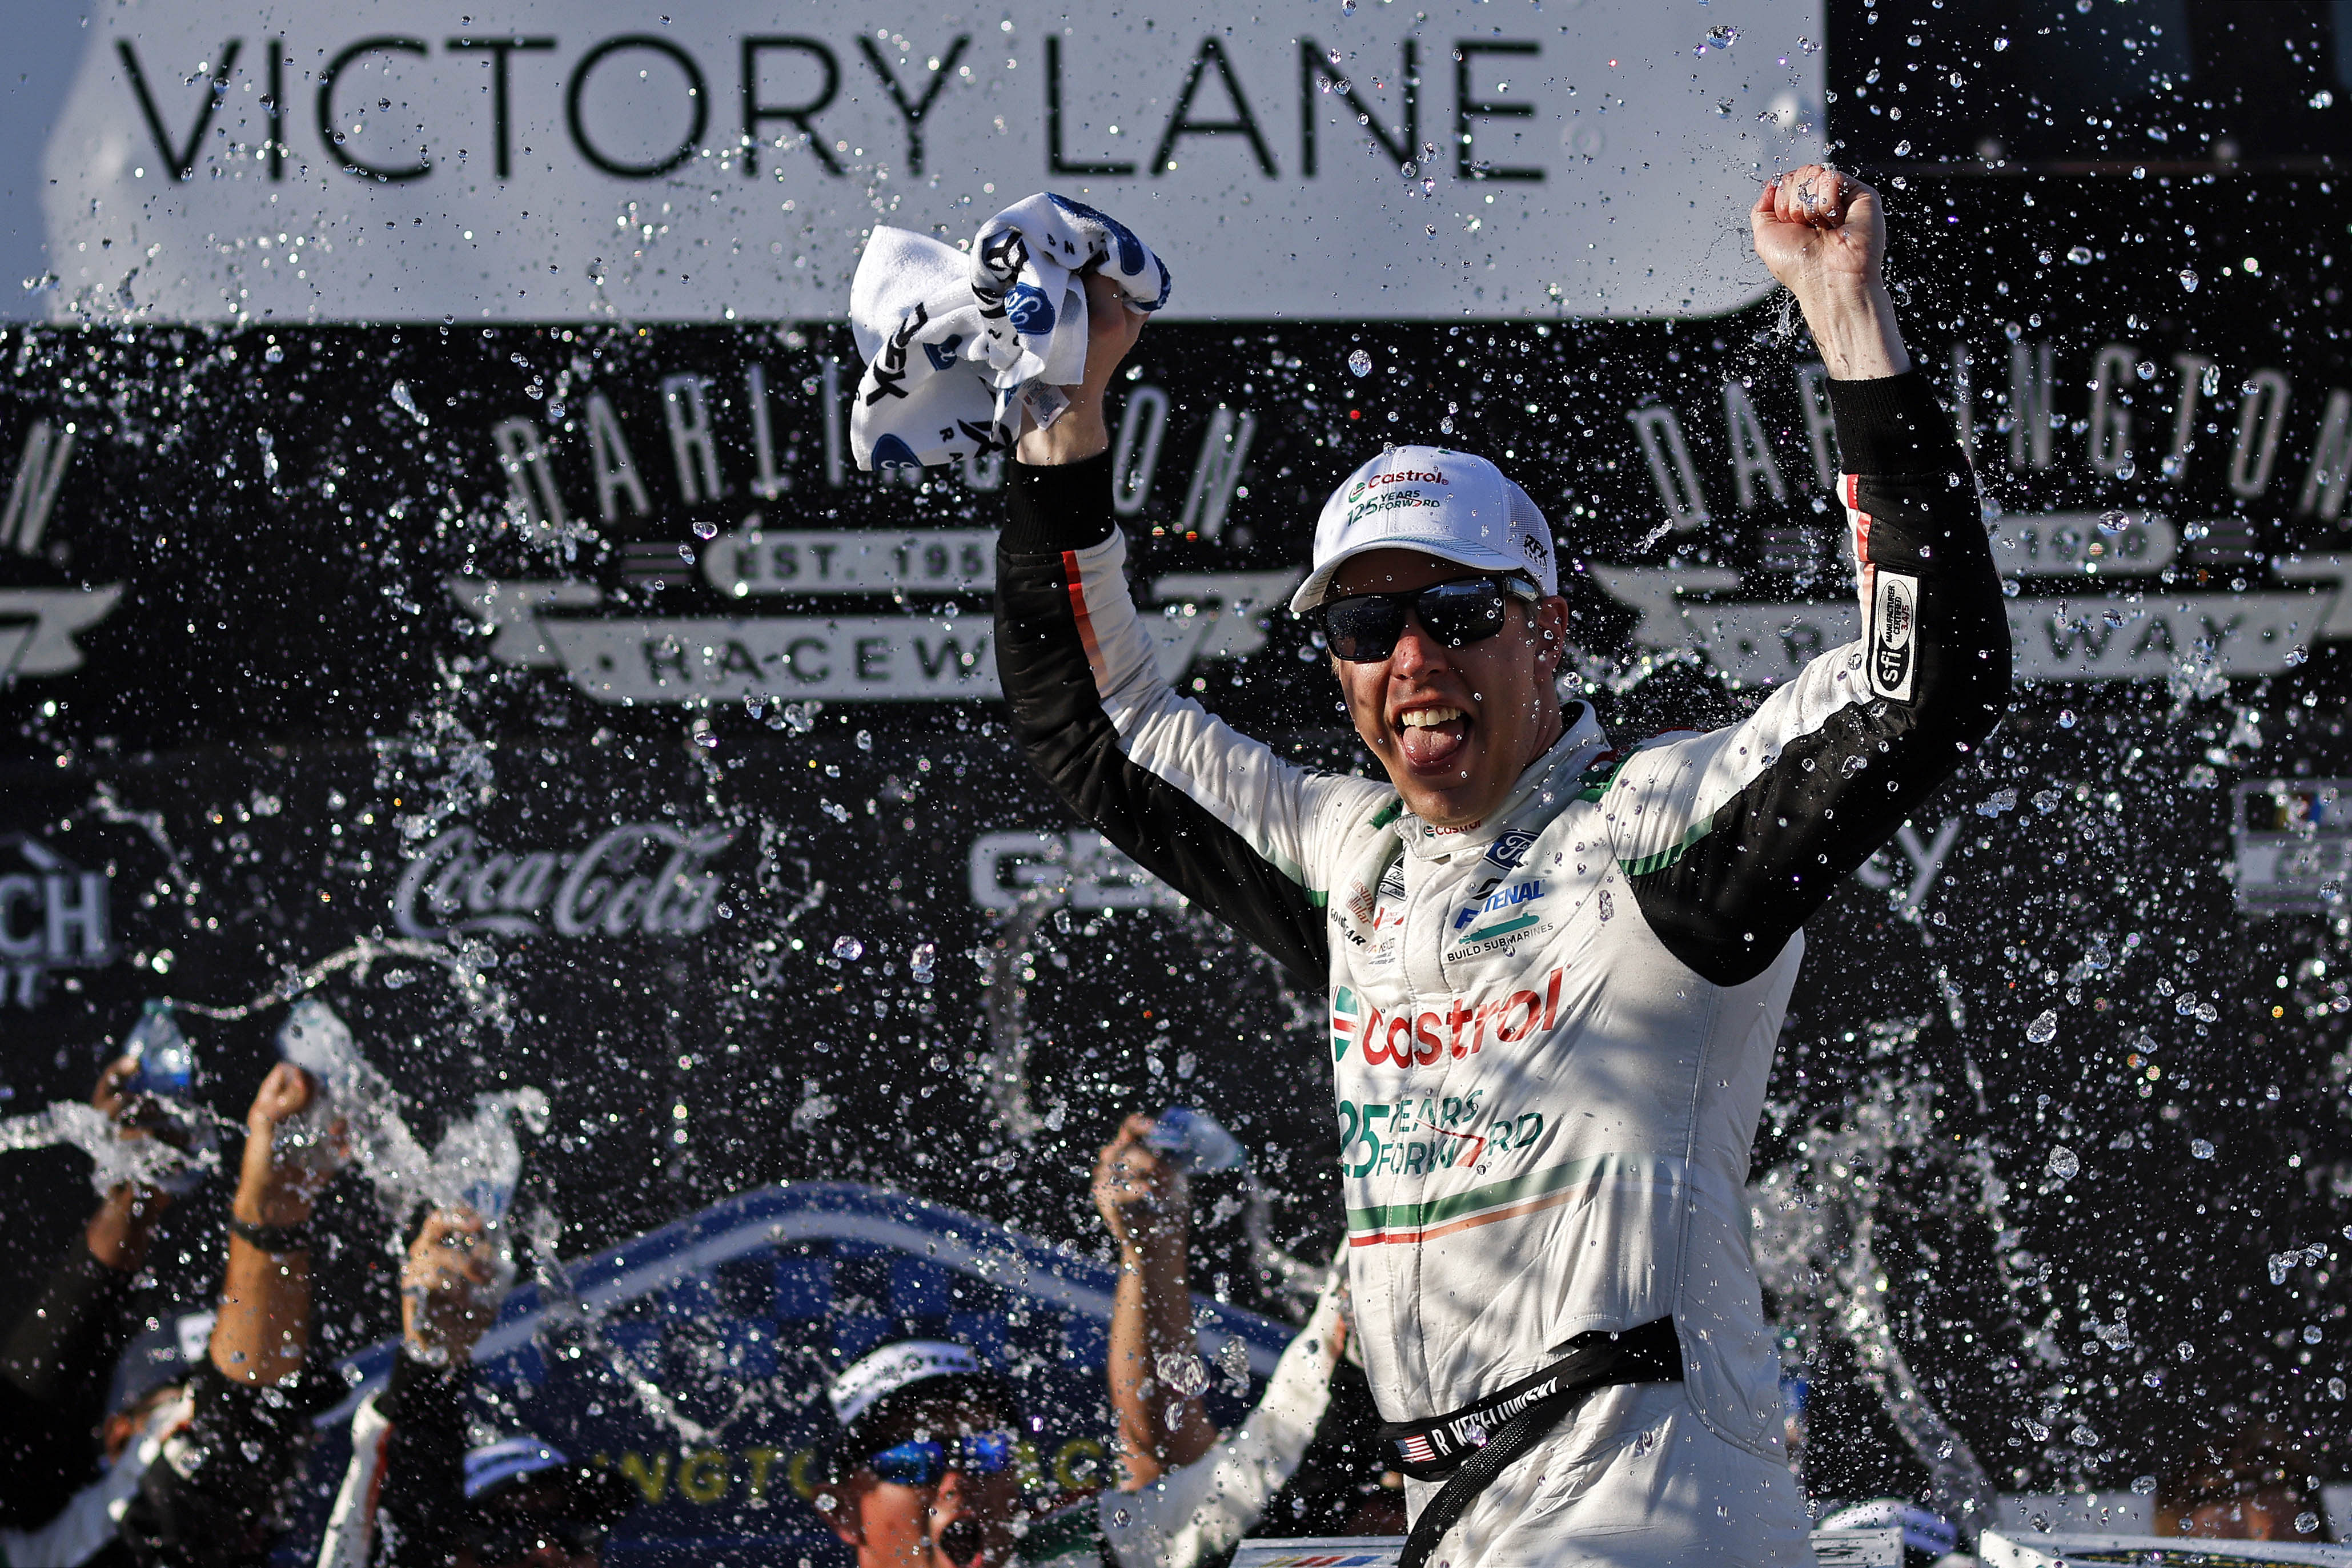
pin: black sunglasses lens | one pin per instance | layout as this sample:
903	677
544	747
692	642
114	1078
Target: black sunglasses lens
1362	631
1460	613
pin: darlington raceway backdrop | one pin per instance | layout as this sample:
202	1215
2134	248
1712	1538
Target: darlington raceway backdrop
431	570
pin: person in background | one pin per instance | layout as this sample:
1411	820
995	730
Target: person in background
220	1459
926	1470
416	1495
2257	1487
1337	1483
57	1436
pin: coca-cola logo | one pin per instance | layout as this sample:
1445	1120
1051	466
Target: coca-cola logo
639	879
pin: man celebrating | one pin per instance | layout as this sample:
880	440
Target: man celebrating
1558	966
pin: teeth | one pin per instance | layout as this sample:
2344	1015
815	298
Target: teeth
1428	717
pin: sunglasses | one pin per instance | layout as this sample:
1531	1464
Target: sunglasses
1363	629
923	1462
514	1541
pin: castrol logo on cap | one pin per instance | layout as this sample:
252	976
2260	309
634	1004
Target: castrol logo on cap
1401	476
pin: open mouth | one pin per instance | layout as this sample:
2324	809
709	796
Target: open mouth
1431	736
962	1541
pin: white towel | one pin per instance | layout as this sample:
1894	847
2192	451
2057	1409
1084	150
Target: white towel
955	342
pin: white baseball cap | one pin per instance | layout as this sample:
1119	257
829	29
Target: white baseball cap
1435	500
893	1367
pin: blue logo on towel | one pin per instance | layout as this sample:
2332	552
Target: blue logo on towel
943	355
892	451
1031	312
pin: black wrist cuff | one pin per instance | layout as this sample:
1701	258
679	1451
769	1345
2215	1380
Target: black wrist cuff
272	1238
1892	425
1062	508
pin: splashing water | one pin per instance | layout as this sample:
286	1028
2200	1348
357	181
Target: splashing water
1181	1372
406	402
114	1159
1360	363
1816	1220
360	1118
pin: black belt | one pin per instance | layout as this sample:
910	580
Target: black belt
1474	1445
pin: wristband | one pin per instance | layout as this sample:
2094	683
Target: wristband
280	1239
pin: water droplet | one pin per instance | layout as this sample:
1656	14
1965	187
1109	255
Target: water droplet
1809	46
1181	1374
686	554
2080	256
864	740
1409	168
2144	1485
1360	363
2185	1351
2306	1522
2188	280
406	402
1718	38
1998	45
1903	148
2064	1164
2065	719
2311	1334
923	964
2201	1148
1428	153
848	949
1347	7
1062	921
2045	1027
1723	109
705	530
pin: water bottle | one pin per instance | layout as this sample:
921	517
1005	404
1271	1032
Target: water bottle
163	1078
165	1059
1193	1140
313	1039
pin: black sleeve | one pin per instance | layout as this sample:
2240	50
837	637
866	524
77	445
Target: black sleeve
1929	679
424	1480
1058	718
215	1497
55	1370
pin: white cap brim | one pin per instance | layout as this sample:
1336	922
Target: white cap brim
1317	586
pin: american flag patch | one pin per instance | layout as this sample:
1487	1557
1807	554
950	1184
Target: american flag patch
1417	1449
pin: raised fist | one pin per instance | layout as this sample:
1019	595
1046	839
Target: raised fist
1818	229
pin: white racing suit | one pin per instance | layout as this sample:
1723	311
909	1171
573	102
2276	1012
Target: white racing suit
1550	1032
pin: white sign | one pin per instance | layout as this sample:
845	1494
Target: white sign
944	655
1080	869
551	160
2138	635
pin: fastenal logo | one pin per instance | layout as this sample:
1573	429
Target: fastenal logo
53	915
639	879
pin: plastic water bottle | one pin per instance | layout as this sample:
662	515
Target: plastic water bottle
1193	1140
314	1040
166	1058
